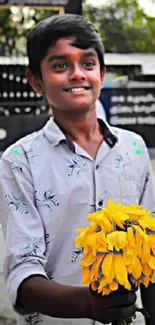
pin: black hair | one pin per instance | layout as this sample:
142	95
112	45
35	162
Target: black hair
48	31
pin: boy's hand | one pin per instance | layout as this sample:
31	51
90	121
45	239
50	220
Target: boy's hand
115	306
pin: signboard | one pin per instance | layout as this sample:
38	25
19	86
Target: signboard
134	110
12	128
68	6
56	3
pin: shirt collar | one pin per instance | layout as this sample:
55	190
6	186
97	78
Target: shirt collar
55	135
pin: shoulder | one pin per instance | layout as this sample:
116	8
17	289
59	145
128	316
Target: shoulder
20	150
125	136
131	143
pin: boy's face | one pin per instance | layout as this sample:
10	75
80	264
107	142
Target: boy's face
71	77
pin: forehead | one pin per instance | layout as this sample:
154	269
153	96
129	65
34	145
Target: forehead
66	46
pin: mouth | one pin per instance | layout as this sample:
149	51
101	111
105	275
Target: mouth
77	89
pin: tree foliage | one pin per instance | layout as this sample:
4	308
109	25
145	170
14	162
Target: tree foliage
124	26
15	25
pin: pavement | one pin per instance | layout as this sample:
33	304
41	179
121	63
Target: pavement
7	315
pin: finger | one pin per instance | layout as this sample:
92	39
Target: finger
120	299
116	314
122	289
127	311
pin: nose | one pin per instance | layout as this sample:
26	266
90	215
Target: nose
77	73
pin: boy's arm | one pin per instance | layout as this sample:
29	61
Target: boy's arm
21	222
56	300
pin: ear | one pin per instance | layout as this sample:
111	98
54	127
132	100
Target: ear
103	72
35	82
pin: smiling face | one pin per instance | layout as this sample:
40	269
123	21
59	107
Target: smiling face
71	77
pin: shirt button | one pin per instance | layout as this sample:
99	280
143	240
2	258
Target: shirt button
100	203
97	166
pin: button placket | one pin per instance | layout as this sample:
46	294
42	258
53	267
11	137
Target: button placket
98	198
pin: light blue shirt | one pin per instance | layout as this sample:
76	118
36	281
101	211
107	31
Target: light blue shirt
48	186
100	111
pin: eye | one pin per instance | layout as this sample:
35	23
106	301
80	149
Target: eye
60	66
89	64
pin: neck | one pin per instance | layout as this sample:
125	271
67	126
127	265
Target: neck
77	127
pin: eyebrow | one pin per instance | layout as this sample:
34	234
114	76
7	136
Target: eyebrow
64	57
90	53
57	57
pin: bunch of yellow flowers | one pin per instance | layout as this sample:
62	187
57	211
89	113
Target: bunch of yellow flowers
118	248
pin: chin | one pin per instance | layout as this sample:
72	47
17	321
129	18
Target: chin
83	104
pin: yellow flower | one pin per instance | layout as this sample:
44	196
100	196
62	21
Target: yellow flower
152	243
107	264
121	271
146	270
94	269
136	268
145	252
131	238
117	240
151	262
118	248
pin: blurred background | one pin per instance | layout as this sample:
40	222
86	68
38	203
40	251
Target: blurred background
127	99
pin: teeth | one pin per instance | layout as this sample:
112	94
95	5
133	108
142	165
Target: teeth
72	90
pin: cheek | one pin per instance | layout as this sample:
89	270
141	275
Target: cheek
97	83
51	80
51	87
96	78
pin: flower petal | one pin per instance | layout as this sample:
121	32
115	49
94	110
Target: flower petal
95	267
112	241
137	270
121	271
145	252
107	264
131	237
85	276
151	262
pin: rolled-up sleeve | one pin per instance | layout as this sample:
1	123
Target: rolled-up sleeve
21	222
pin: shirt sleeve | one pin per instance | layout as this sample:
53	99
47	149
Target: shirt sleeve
147	198
21	222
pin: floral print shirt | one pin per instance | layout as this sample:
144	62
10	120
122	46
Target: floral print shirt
47	187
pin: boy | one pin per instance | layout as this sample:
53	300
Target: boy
51	179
